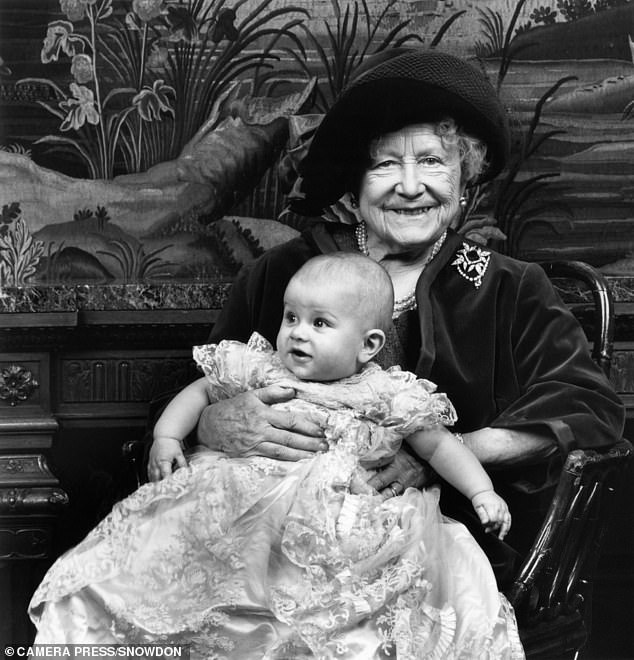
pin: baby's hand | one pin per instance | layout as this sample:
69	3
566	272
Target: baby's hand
493	512
359	483
164	452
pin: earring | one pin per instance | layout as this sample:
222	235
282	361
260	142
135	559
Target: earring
354	202
464	200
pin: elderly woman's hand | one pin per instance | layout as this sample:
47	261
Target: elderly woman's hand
247	425
405	471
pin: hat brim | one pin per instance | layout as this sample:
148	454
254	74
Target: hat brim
378	105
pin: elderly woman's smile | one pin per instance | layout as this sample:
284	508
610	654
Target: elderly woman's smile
419	210
410	193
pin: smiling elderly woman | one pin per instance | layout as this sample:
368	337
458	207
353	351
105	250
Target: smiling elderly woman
401	147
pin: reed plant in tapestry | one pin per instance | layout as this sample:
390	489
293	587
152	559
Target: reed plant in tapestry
160	111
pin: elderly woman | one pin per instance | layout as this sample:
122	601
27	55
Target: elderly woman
401	147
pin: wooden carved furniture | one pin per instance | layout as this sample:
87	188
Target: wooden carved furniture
30	495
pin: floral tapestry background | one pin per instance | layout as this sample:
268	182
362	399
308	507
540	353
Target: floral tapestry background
146	140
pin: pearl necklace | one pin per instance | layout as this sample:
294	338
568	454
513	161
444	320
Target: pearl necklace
409	301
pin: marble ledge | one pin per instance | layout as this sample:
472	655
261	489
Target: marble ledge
194	295
114	297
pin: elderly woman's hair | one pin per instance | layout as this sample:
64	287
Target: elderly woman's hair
471	150
362	276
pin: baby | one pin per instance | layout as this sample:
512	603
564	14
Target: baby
337	310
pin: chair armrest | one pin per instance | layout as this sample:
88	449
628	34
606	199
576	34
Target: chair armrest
556	576
134	453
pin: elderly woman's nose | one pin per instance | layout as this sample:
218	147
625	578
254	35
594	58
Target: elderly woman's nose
410	181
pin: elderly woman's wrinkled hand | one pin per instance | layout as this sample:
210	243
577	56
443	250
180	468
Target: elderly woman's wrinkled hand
247	425
405	471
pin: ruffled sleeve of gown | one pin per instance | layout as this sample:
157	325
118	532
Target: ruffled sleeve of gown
233	367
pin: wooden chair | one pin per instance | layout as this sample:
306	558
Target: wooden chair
553	589
552	593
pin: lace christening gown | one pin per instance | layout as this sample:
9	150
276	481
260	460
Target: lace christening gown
249	558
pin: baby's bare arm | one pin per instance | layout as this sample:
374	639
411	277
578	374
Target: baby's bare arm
451	459
457	465
178	419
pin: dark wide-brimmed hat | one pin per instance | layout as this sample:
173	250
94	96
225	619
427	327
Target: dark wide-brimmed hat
393	89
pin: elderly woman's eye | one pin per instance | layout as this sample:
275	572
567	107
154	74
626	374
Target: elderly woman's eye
384	164
429	160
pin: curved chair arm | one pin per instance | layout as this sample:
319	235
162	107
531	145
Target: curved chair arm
603	303
552	592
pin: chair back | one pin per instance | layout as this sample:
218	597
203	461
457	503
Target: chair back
603	335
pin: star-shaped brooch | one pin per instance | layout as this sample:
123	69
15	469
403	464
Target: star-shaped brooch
471	263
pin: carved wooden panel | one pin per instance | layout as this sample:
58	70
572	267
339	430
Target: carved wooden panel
622	373
122	379
24	383
30	498
24	542
20	501
25	470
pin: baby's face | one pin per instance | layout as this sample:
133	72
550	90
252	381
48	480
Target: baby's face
322	334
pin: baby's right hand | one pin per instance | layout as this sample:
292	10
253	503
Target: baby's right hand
493	512
164	452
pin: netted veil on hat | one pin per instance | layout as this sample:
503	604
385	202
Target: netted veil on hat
391	90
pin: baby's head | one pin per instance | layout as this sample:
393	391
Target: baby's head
337	310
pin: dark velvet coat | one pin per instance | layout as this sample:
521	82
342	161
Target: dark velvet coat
508	353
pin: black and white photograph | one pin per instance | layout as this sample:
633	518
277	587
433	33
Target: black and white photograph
317	329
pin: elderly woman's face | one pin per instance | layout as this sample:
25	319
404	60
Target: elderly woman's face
411	191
